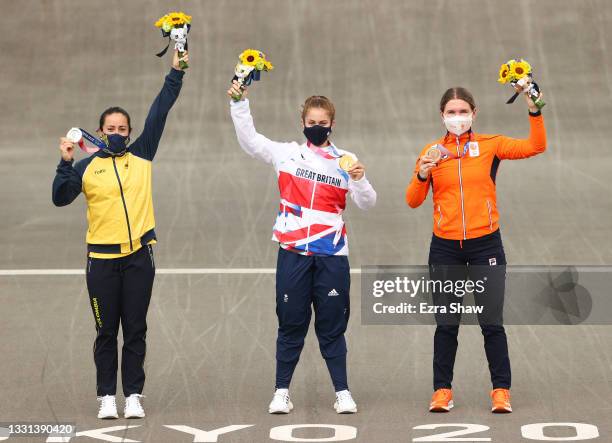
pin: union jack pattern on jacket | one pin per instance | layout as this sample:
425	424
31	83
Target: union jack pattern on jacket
312	187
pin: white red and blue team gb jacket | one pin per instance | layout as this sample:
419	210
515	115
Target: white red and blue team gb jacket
312	188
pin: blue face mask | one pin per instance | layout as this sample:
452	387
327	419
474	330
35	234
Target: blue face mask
116	144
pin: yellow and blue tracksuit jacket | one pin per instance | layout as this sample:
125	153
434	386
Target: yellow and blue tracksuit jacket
118	189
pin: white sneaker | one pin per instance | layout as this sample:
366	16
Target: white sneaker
281	403
108	407
133	408
345	403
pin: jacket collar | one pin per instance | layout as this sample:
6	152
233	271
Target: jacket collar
463	138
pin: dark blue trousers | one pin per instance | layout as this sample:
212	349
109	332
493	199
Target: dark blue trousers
304	282
481	258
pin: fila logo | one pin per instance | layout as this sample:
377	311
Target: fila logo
333	293
285	298
100	171
492	261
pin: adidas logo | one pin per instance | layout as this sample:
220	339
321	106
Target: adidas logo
332	293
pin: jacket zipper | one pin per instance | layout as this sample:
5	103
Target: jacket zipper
461	190
490	218
127	218
439	212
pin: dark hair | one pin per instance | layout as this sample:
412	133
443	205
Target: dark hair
457	93
115	110
319	101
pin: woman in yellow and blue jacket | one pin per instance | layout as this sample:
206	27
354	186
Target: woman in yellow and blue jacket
116	182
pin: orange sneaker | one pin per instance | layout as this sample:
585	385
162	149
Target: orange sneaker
441	401
501	401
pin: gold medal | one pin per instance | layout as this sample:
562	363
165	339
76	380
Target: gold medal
346	162
434	154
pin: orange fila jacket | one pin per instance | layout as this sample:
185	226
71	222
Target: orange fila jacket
463	182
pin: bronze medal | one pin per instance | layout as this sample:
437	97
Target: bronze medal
434	154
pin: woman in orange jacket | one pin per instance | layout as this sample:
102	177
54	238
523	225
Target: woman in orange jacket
460	168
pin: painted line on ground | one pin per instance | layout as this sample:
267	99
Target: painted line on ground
171	271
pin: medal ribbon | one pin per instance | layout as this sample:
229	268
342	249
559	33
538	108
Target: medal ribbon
93	140
320	151
449	154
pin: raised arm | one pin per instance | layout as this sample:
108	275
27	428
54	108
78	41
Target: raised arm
252	142
513	149
146	144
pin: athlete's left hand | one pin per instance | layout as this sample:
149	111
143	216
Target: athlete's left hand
530	104
357	171
176	59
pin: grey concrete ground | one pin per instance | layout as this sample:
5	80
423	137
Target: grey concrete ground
211	338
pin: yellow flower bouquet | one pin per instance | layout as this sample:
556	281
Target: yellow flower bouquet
175	26
518	72
249	68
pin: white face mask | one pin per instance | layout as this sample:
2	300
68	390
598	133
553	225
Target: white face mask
458	124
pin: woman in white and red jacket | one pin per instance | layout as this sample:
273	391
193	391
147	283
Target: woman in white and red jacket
312	267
